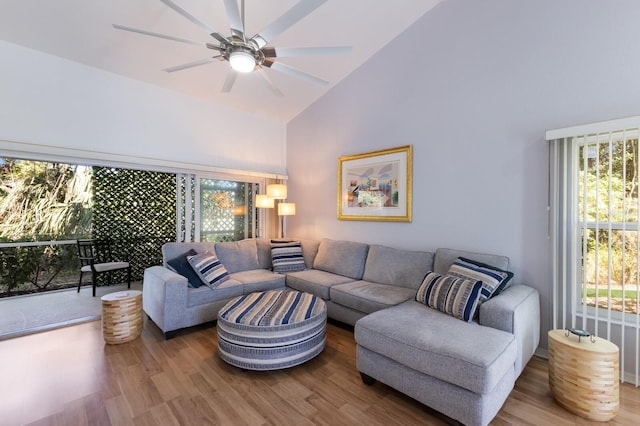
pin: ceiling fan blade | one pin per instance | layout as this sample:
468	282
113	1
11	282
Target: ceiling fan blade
168	37
288	19
192	64
286	69
282	52
222	39
233	15
270	82
189	16
228	82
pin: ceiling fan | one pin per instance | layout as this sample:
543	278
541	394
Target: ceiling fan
245	54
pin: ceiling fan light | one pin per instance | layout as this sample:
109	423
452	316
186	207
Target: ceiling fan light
242	61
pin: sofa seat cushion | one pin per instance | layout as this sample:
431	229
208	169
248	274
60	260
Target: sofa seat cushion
465	354
202	295
259	280
315	281
365	296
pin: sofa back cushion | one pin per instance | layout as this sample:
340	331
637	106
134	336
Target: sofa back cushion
238	256
402	268
445	257
345	258
264	253
173	250
309	251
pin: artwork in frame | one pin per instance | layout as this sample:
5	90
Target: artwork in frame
376	185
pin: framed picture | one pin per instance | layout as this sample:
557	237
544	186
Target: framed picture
376	185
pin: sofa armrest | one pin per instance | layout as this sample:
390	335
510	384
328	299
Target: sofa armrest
517	311
164	297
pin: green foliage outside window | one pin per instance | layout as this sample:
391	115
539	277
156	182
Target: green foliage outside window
41	201
608	211
44	201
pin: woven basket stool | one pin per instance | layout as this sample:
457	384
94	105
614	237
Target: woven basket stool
121	316
271	330
584	376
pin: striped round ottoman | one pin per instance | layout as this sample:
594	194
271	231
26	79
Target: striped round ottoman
271	330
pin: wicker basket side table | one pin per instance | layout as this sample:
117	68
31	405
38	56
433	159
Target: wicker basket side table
584	376
121	316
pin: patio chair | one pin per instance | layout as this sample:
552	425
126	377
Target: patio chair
95	257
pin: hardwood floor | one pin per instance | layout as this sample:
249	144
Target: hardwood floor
70	377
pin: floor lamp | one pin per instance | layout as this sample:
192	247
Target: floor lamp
285	209
264	202
277	191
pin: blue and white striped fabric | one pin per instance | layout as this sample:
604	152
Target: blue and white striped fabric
287	257
452	295
269	308
272	329
494	280
210	270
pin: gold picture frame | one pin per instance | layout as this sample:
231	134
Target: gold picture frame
376	186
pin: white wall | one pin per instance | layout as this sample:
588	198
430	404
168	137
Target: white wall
45	100
473	86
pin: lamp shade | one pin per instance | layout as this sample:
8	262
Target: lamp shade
264	202
287	209
277	191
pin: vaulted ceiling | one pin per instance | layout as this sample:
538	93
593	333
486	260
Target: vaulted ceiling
82	31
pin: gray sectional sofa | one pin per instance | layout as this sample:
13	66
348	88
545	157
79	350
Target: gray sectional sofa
464	370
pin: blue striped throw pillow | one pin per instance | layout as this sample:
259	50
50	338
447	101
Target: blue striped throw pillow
287	257
494	280
210	270
457	297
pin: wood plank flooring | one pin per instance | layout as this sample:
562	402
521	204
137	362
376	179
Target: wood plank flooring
70	377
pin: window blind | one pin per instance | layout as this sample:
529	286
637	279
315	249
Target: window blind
594	233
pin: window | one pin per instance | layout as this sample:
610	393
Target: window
607	192
595	204
226	210
219	208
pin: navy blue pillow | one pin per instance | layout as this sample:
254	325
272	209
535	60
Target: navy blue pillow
494	280
181	265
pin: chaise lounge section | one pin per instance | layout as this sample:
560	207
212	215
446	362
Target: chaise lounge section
464	370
